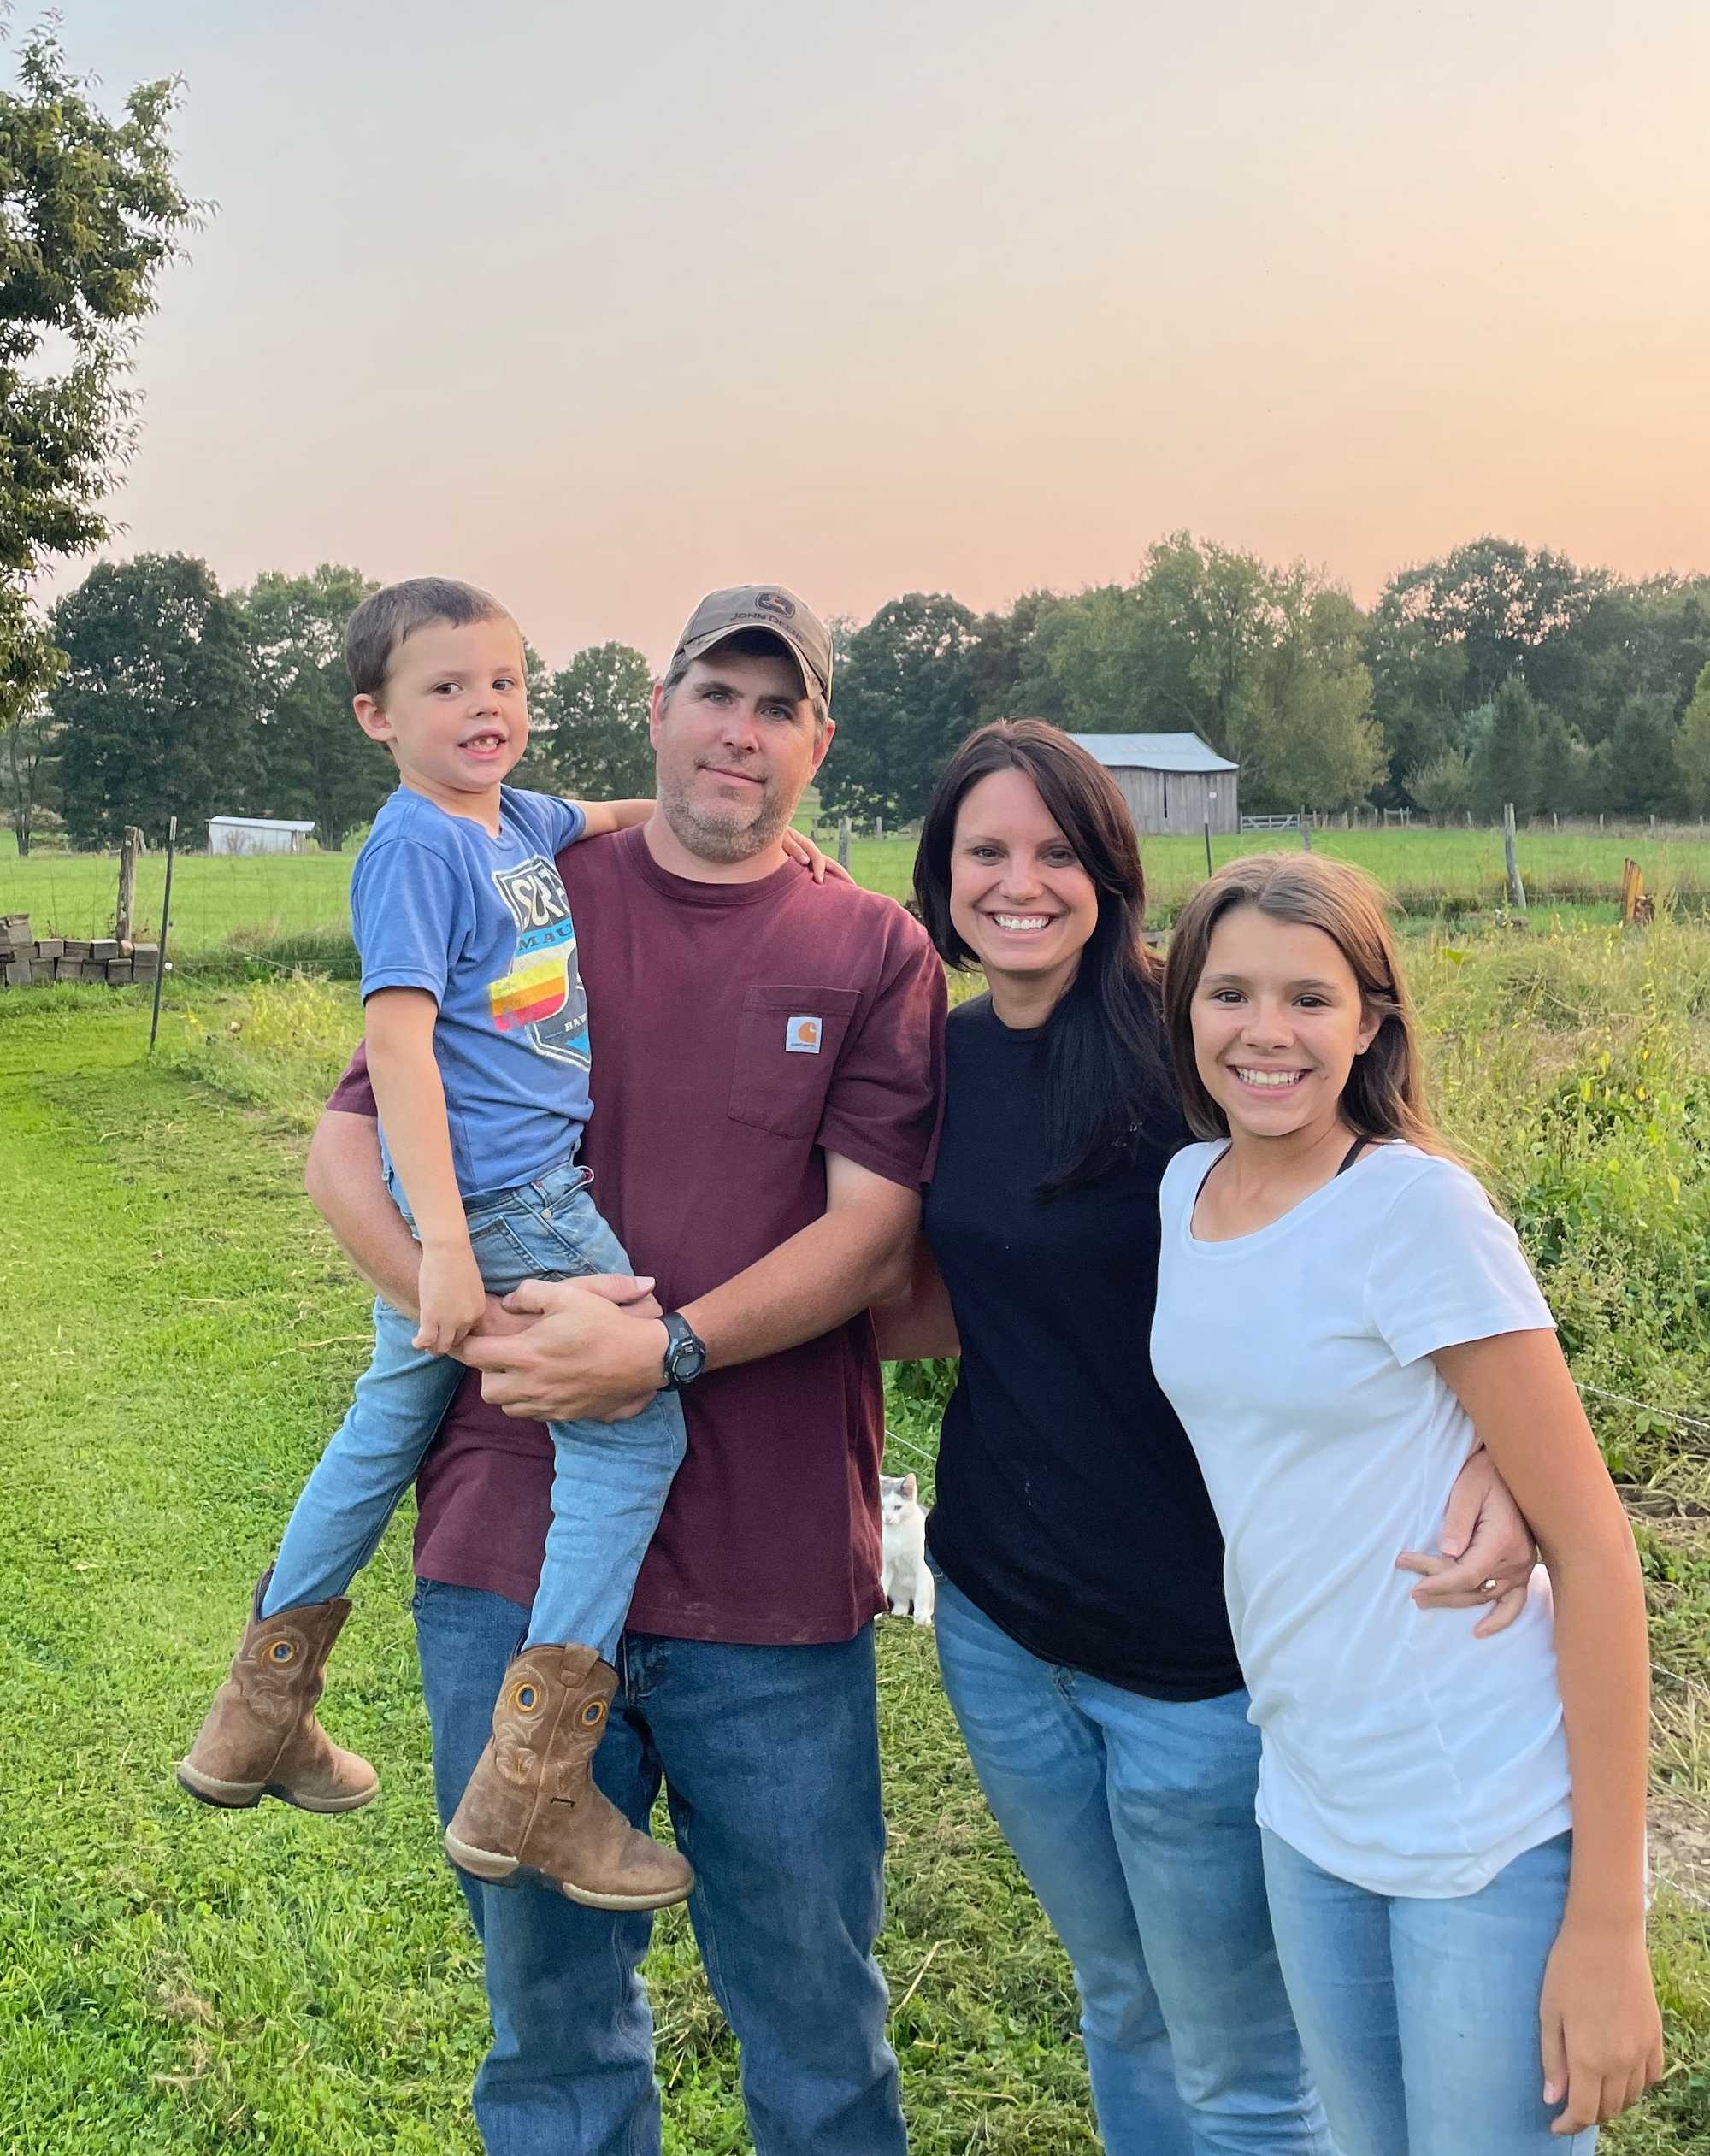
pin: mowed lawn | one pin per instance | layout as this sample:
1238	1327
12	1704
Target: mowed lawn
292	907
179	1335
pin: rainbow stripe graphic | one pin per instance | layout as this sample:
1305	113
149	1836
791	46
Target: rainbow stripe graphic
537	989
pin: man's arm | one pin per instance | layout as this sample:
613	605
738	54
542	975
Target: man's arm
344	1185
343	1179
584	1358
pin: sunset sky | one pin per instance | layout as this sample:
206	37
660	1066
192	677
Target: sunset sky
600	307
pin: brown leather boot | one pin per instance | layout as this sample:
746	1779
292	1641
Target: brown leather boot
260	1738
532	1811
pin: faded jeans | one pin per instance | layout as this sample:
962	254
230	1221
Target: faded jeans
1133	1819
770	1756
609	1479
1420	2016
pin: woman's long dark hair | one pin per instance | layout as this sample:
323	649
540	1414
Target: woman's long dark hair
1105	1064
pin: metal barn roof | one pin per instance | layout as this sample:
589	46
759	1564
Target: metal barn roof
259	823
1153	752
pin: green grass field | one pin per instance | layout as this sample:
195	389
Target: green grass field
180	1334
289	910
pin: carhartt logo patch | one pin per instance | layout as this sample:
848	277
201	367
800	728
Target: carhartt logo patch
801	1037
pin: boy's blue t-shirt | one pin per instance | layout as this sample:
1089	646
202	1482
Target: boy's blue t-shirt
483	924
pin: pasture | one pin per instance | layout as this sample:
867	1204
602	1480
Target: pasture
293	909
182	1333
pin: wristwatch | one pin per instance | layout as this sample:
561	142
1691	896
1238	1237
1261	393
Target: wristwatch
685	1352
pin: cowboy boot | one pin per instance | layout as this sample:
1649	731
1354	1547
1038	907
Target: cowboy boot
261	1738
532	1811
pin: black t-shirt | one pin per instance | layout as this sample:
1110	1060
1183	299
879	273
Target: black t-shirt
1070	1507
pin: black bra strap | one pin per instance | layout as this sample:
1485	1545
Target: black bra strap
1353	1154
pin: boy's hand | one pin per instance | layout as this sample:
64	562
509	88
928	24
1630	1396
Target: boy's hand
1600	2029
818	865
450	1296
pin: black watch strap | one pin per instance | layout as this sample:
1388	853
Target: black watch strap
685	1352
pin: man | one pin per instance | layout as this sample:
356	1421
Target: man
767	1057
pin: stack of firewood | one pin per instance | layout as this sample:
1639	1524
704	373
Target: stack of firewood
26	959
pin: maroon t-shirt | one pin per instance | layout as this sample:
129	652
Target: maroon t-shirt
739	1033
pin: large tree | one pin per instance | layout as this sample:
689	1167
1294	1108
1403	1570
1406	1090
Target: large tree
1692	748
155	709
1307	738
1446	634
589	726
1506	764
315	760
90	212
902	700
29	661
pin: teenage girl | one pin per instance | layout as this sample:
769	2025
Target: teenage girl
1454	1835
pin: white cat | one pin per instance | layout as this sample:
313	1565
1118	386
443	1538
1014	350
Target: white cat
908	1584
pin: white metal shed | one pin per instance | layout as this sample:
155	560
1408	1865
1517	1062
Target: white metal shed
257	834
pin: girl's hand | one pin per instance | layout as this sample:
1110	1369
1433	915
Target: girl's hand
1601	2032
450	1297
818	866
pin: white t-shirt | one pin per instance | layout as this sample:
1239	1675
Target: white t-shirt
1399	1751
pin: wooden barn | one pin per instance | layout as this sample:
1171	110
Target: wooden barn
1173	782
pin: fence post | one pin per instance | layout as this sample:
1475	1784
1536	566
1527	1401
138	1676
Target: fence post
1305	836
1517	890
1652	823
129	848
166	930
878	827
843	842
1555	819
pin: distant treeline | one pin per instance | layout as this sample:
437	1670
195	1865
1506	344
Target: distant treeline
1496	674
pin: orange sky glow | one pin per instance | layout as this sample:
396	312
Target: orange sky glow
600	307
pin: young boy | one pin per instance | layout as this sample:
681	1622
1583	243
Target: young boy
477	1038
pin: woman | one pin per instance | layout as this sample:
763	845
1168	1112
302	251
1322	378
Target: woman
1082	1631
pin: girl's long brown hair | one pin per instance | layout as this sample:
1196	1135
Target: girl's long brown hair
1385	1093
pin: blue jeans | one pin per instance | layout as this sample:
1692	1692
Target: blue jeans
770	1760
1420	2016
1133	1819
609	1479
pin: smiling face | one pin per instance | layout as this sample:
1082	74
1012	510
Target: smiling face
1019	898
453	708
736	742
1278	1019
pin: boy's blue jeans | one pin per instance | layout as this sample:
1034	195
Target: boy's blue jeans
609	1481
770	1759
1421	2016
1133	1820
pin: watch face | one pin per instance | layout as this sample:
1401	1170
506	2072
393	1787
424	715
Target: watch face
687	1361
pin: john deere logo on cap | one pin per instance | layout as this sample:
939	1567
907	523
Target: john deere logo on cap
775	603
801	1037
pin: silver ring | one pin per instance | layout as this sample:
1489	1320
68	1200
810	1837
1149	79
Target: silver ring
1488	1587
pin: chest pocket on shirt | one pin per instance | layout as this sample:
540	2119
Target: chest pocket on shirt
787	1048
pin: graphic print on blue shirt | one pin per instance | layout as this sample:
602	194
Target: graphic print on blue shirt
542	994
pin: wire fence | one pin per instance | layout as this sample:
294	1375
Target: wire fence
223	905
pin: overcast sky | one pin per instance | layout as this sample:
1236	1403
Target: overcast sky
601	306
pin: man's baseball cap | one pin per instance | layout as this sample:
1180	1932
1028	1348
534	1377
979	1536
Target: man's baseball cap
761	606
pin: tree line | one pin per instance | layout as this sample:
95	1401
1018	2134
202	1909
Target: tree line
1496	674
173	697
